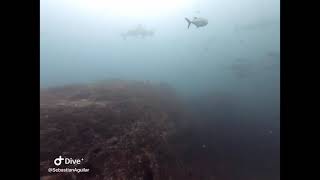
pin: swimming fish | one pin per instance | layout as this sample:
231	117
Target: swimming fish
139	31
197	21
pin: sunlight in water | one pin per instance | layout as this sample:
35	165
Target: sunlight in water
132	8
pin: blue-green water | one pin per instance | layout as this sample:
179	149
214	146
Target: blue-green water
79	45
237	55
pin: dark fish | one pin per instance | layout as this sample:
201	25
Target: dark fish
139	31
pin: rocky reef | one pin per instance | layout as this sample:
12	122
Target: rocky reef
119	128
133	130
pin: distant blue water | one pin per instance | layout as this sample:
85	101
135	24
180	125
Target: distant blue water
237	53
77	46
236	56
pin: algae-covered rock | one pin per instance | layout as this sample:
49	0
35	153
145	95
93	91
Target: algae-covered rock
119	128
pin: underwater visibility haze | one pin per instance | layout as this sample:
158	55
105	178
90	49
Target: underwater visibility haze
215	62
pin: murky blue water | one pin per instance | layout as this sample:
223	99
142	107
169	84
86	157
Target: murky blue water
236	56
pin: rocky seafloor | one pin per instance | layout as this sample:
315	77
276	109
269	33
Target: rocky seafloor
131	130
119	128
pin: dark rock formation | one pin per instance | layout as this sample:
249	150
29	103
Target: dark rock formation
119	128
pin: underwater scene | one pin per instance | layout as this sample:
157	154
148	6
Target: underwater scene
159	90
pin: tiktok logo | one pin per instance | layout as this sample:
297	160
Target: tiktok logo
58	161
